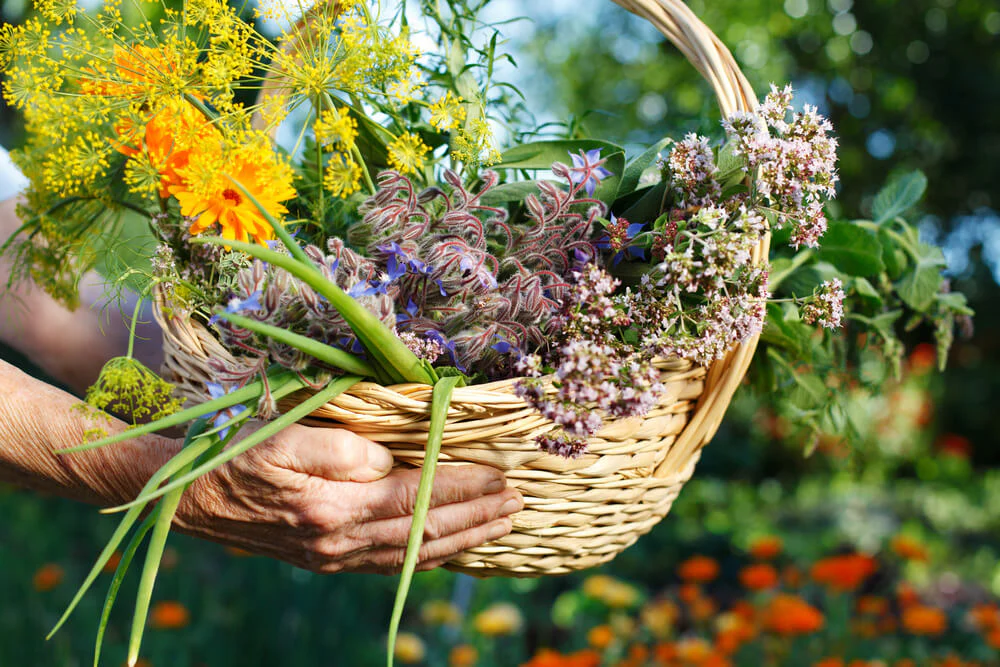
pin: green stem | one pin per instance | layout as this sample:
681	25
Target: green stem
131	327
200	106
440	402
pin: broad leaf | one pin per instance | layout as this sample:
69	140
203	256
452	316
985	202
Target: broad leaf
920	284
852	249
635	168
542	154
509	192
898	196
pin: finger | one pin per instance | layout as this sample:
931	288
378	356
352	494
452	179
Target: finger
444	520
396	495
334	454
390	561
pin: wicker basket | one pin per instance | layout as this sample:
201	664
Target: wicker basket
578	513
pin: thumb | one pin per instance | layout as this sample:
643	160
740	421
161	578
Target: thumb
335	454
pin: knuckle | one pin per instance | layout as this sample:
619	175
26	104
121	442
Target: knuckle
433	529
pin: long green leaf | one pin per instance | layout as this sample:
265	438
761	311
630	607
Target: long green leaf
166	509
179	461
327	354
380	341
440	402
236	397
334	388
279	229
116	581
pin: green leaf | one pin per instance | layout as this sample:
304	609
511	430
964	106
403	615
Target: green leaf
867	291
648	206
852	249
166	509
440	402
955	302
894	257
510	192
920	285
300	411
277	380
898	196
731	166
542	154
116	581
642	162
333	356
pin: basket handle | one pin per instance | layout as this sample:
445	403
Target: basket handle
706	52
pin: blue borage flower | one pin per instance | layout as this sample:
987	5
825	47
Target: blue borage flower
620	235
449	345
588	169
237	305
216	390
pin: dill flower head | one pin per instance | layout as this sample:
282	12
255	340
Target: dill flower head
129	389
447	113
343	176
406	154
336	129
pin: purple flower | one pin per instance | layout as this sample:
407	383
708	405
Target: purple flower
396	264
237	305
588	169
216	390
449	345
619	238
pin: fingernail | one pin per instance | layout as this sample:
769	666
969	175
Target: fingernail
379	459
496	486
498	530
511	506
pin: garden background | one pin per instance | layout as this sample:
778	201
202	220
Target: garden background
907	85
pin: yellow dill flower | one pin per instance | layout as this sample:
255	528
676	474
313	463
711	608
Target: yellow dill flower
77	164
208	192
475	145
129	389
57	11
343	176
447	113
406	153
10	37
404	90
336	129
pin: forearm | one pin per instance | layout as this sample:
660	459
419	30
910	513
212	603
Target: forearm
70	346
37	419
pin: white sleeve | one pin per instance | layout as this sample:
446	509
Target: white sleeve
12	181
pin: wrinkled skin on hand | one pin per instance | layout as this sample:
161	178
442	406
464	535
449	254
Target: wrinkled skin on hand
328	500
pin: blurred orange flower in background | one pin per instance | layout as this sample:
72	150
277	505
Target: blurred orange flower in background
758	577
830	662
920	619
791	615
549	658
169	615
48	577
843	572
767	547
463	655
909	548
600	637
872	604
955	445
698	569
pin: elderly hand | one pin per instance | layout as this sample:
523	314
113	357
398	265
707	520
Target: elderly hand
328	500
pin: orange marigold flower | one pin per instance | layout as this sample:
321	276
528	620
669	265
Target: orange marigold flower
767	547
665	652
48	577
463	655
688	593
830	662
744	610
923	358
210	195
549	658
985	616
904	662
920	619
758	577
845	572
702	609
716	660
993	638
698	569
791	615
135	70
864	627
693	650
909	548
600	637
168	615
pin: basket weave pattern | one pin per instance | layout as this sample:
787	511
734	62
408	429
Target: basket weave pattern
578	513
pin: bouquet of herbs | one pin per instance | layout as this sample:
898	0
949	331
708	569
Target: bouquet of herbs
389	238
